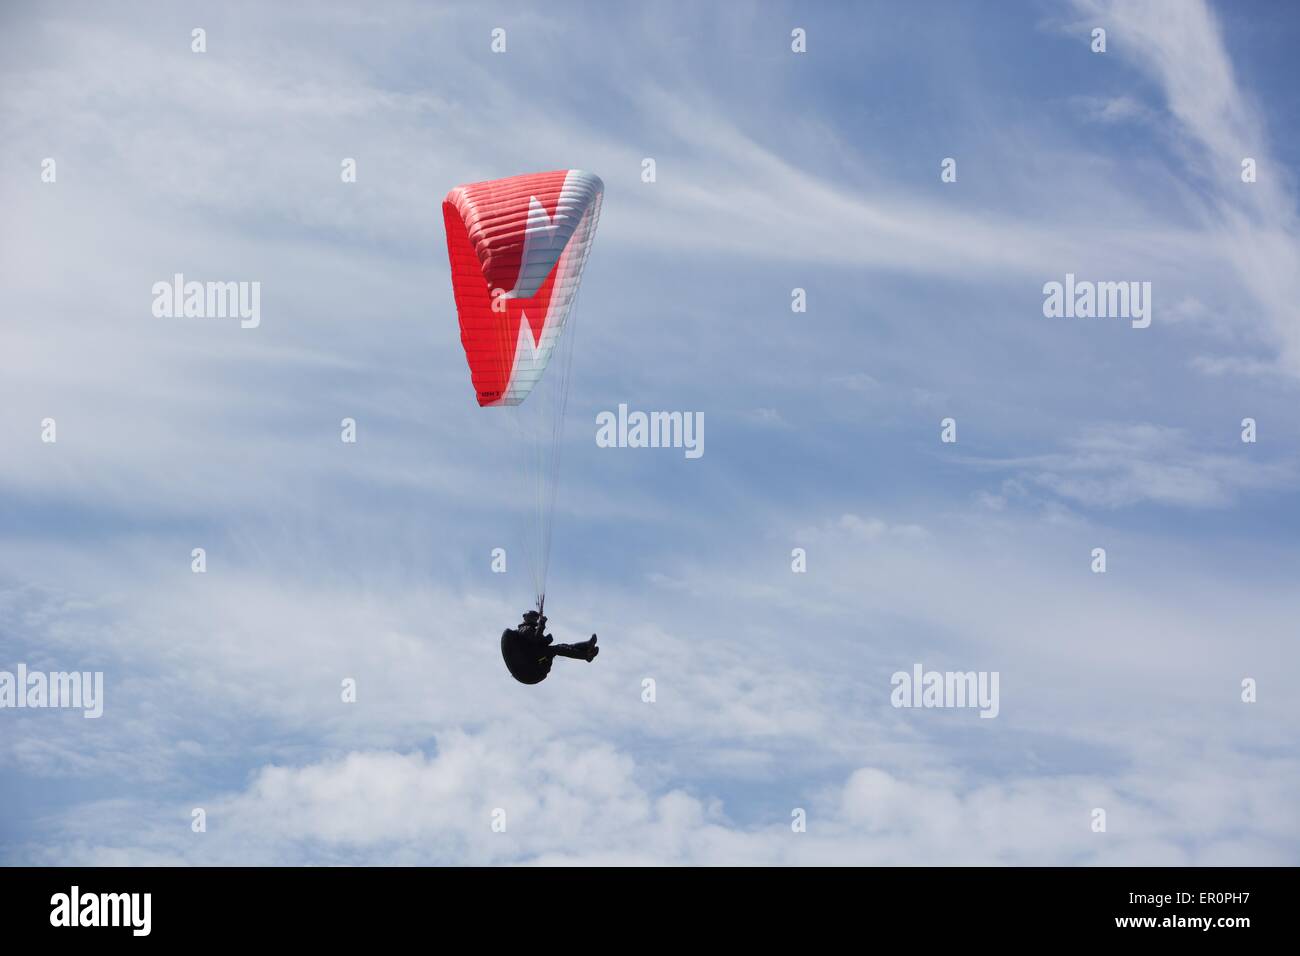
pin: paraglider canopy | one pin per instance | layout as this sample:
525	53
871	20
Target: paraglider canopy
517	249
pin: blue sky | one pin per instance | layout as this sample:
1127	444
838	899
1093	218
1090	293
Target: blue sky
775	170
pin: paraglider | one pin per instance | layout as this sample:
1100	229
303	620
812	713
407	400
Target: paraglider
528	650
517	249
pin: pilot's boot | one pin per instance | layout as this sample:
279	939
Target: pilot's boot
579	652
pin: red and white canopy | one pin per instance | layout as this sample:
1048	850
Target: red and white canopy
517	248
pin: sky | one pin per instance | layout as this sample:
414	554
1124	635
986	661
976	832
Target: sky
1160	692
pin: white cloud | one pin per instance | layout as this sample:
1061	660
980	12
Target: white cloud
1113	109
1117	466
1180	44
581	802
765	418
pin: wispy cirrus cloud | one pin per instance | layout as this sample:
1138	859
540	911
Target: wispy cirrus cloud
1253	225
1116	466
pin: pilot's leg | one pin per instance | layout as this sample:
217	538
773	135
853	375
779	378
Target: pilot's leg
579	652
